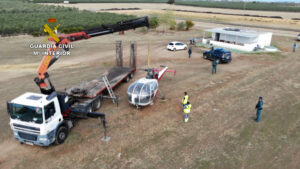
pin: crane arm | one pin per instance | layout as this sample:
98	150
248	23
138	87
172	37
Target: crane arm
103	30
49	60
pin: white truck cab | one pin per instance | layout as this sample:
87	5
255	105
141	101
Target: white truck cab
36	119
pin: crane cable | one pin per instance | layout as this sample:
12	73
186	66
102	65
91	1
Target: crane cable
148	41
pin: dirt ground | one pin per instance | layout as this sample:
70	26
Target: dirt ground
221	133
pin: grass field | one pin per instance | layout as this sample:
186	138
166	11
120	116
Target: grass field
23	17
221	133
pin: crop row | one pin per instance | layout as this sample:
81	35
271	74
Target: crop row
18	17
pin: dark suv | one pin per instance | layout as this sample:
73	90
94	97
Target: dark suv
222	55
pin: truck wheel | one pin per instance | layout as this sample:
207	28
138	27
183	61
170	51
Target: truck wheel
89	108
127	79
131	75
61	135
97	104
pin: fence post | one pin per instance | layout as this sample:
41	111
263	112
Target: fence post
119	53
133	54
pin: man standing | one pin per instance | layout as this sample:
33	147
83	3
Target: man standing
259	107
294	47
187	110
214	66
190	52
185	99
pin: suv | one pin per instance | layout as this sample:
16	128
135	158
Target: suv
222	55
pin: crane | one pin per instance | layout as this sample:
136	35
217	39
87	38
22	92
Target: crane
64	40
46	118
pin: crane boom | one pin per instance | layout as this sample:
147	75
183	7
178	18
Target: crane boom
104	29
49	60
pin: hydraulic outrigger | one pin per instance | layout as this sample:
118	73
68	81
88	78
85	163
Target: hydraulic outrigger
42	119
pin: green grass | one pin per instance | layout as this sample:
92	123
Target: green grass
19	17
289	7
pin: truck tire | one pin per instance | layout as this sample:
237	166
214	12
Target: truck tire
61	135
97	104
127	79
89	108
131	75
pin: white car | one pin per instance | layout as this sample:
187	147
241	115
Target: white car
176	46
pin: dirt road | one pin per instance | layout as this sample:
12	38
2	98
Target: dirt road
220	134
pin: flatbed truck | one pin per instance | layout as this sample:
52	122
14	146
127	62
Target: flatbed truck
47	117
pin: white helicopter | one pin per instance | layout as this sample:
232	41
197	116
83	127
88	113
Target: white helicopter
143	91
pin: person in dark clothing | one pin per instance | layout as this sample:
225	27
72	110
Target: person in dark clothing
190	52
214	66
259	107
294	47
211	47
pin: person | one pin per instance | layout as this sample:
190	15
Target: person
214	66
259	107
211	46
187	110
185	99
190	52
294	47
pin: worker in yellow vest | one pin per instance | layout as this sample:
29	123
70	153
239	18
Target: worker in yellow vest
185	99
187	110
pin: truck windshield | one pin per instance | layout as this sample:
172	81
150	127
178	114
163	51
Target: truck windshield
26	113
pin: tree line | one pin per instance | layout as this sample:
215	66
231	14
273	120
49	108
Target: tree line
167	20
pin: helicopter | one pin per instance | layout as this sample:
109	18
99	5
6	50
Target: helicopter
143	91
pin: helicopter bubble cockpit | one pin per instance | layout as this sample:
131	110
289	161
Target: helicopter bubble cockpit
142	92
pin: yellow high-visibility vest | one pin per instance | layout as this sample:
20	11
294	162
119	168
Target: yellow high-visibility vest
185	99
187	109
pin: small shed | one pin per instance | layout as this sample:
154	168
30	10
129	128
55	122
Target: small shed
241	39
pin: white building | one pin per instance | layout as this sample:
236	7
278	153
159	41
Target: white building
240	39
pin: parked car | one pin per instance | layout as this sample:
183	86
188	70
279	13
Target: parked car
176	46
298	38
222	55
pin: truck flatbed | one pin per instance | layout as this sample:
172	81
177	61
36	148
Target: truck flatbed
95	87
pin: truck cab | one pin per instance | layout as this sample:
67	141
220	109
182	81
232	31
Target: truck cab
36	119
